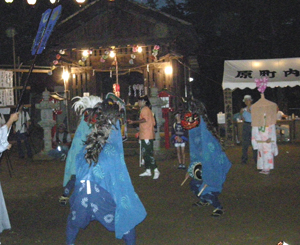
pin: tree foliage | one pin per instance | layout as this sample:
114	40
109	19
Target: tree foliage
237	29
152	3
25	20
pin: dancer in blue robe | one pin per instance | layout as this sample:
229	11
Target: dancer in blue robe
206	149
103	190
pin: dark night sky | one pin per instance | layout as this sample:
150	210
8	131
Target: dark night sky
25	20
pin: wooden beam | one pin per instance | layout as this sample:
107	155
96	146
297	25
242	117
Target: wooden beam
27	70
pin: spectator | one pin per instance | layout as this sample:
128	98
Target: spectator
146	135
281	115
246	135
4	145
61	143
179	138
21	131
282	128
264	117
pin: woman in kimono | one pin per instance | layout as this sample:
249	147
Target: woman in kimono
4	145
264	140
264	116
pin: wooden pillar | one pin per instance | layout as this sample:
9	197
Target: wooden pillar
91	83
228	117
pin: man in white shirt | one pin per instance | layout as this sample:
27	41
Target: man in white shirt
20	130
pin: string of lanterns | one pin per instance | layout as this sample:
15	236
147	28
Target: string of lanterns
110	53
33	2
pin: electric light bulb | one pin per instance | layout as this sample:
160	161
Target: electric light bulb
168	70
31	2
112	54
65	75
85	53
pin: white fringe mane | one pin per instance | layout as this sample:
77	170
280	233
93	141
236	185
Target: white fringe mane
85	102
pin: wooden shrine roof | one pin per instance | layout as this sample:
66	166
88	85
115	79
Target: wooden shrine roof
103	23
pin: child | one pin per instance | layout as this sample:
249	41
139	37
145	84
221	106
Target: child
179	138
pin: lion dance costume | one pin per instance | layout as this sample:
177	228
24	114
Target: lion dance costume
209	163
96	168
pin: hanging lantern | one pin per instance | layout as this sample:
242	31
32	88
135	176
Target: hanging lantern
85	53
31	2
116	87
134	49
112	54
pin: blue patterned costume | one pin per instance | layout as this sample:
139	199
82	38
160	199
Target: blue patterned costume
205	148
104	191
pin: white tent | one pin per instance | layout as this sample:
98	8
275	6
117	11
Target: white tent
241	73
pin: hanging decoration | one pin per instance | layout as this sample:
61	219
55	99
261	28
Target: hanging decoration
261	84
140	88
134	87
116	89
155	52
129	91
134	48
131	62
57	58
104	56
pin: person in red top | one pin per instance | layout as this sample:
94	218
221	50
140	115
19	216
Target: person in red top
146	135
